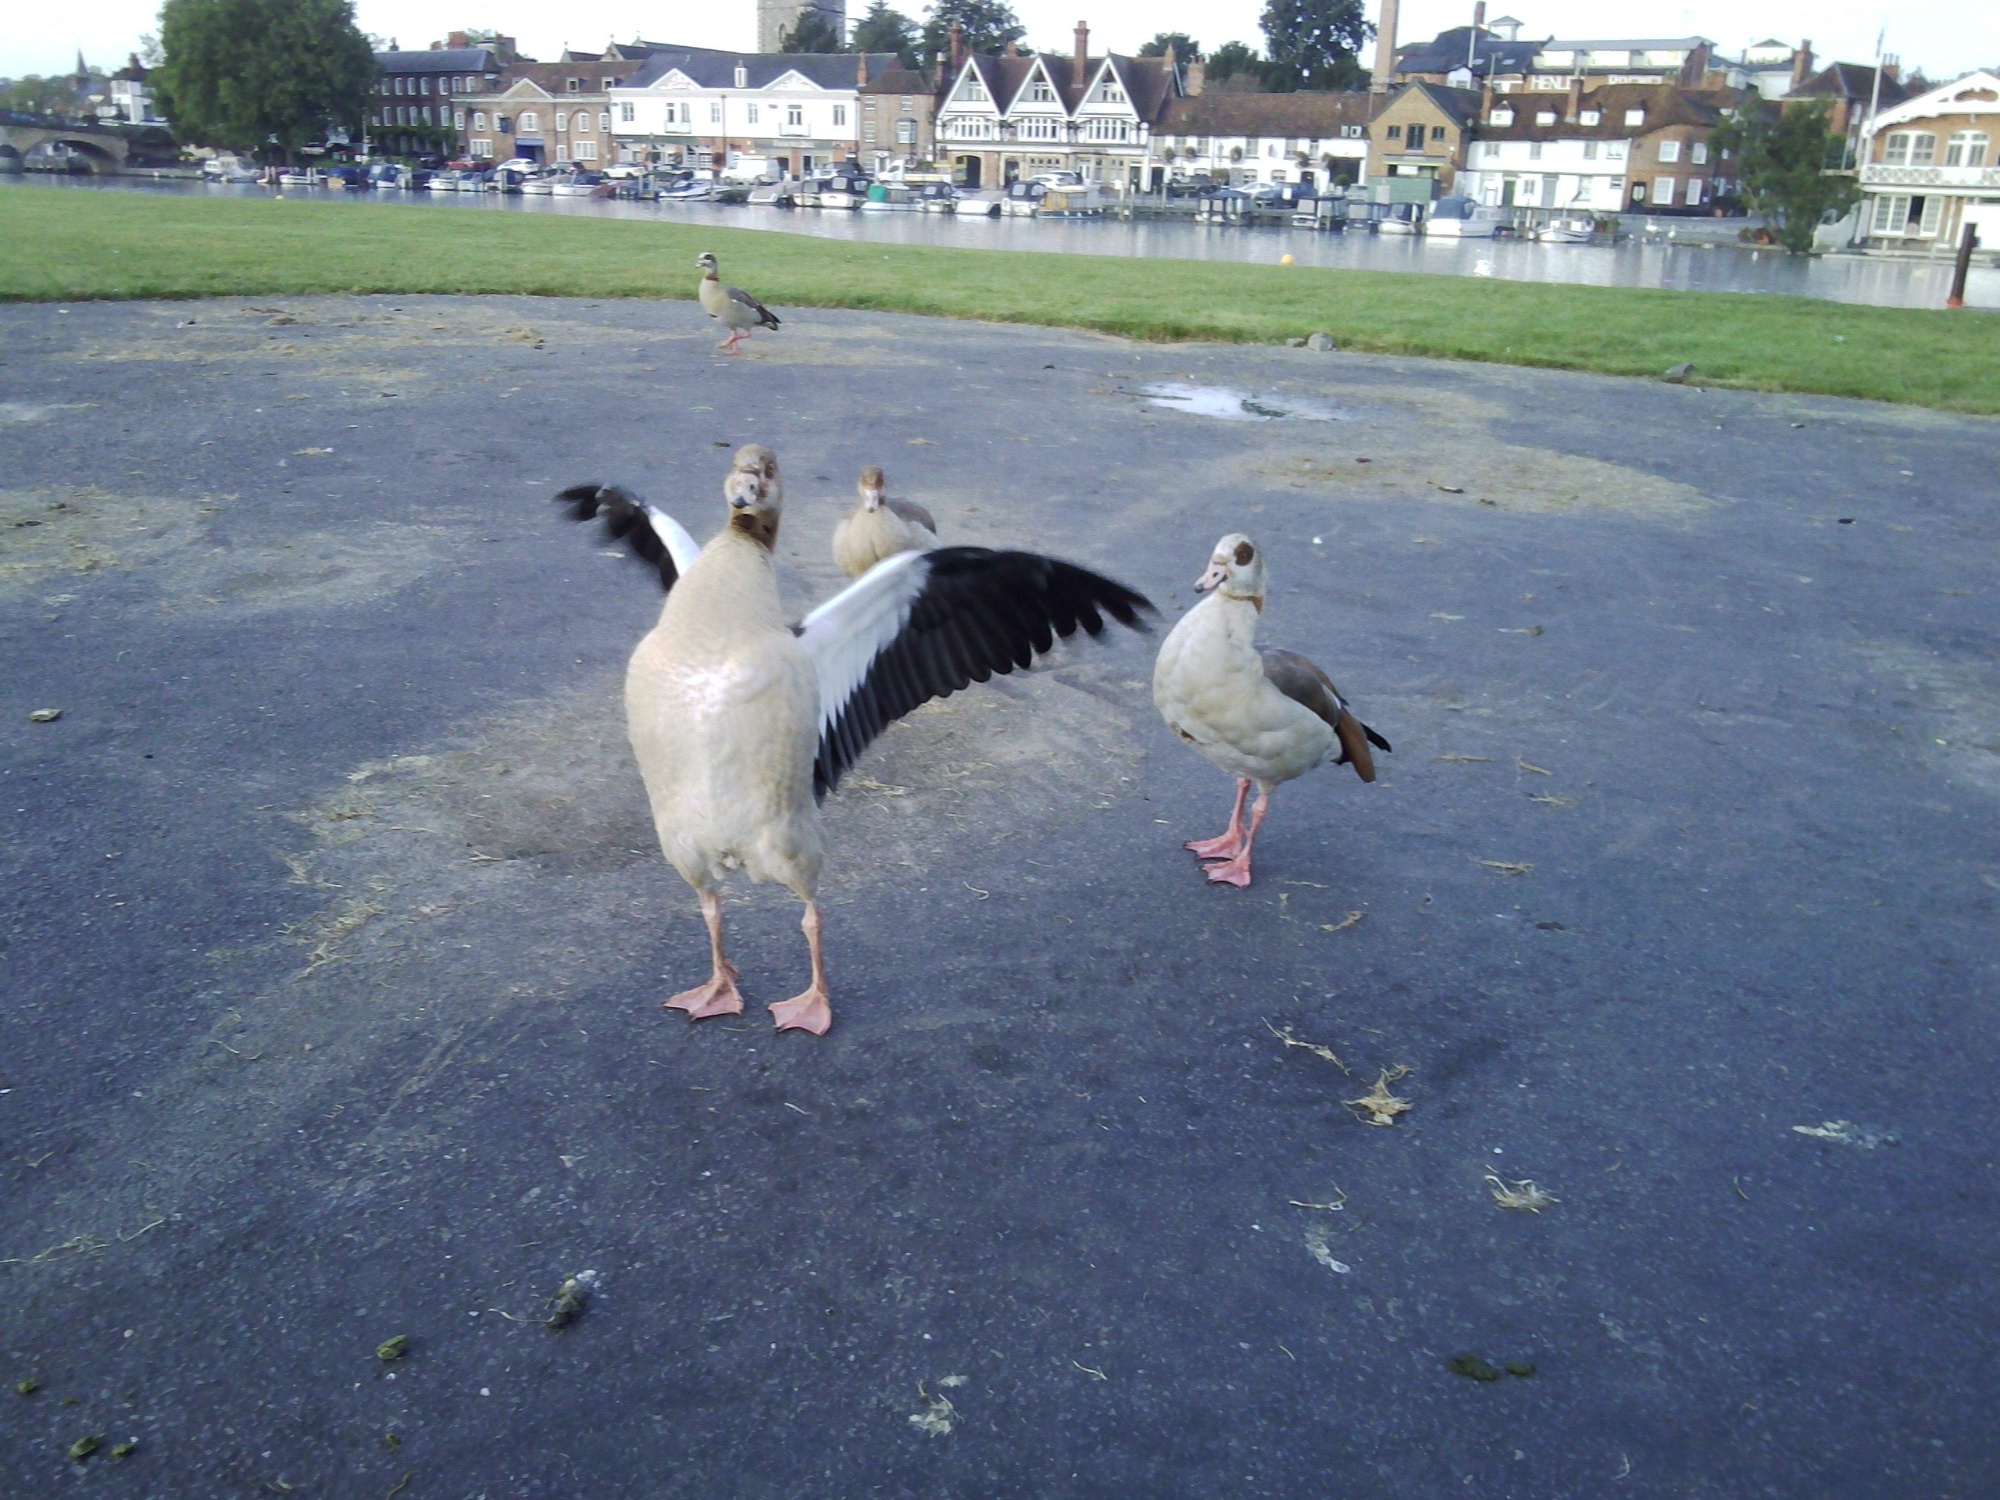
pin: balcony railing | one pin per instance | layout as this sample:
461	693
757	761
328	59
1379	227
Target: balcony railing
1875	174
791	128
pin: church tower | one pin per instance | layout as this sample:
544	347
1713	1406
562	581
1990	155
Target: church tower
776	17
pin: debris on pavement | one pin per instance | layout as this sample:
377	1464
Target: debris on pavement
1847	1133
1321	1251
44	715
1284	1034
938	1416
392	1349
1520	1194
1378	1106
570	1300
1472	1367
84	1446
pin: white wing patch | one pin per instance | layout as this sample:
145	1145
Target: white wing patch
680	546
845	635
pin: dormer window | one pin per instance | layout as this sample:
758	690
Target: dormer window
610	83
1545	117
1502	118
1590	116
575	85
974	92
1039	92
742	76
1635	117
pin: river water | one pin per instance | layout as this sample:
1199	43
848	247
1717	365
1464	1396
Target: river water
1649	260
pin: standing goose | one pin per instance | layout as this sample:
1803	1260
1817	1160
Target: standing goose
742	722
1262	715
735	308
880	527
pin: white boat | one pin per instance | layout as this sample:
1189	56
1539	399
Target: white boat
889	197
842	191
578	185
1462	219
694	190
936	198
310	178
539	186
1571	229
1396	224
980	202
232	169
1023	198
772	194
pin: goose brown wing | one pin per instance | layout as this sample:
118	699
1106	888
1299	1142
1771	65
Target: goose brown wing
1305	684
922	625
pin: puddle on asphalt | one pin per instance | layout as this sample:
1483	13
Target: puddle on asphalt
1226	405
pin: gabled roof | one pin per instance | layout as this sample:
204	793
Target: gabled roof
1948	98
711	69
1302	116
553	78
1854	81
899	81
1150	85
1460	106
443	60
1663	103
1447	50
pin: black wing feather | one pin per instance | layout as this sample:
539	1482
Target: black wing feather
625	520
980	612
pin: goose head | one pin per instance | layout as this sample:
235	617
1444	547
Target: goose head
755	493
1236	568
706	262
871	486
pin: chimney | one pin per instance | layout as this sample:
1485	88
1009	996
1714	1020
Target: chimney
861	70
1383	78
456	40
1802	61
1892	69
1010	50
1079	63
937	73
1472	37
437	46
1197	75
1575	101
1486	100
957	48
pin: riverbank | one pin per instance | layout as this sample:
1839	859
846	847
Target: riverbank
88	246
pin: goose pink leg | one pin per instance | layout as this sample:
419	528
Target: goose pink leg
718	997
1236	869
811	1010
1230	844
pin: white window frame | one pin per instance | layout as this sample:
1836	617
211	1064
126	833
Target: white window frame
752	112
627	114
1663	191
839	116
1670	151
530	123
1966	148
562	122
1932	217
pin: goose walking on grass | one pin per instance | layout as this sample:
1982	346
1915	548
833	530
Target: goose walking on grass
742	722
1266	716
731	306
880	527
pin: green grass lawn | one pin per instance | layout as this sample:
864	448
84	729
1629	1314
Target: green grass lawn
71	246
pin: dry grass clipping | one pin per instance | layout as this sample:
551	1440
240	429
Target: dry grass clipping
938	1416
1507	867
350	919
1284	1034
1378	1106
1520	1194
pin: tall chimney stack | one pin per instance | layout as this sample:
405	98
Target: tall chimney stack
1384	76
1079	63
957	49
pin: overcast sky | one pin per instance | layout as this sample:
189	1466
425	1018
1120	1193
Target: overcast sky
41	36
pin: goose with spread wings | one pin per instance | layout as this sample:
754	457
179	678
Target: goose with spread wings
1262	715
742	722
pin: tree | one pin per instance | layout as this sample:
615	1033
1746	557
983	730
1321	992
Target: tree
1186	48
983	25
34	95
812	32
886	30
1314	44
1234	61
1781	169
242	73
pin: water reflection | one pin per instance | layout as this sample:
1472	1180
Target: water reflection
1673	267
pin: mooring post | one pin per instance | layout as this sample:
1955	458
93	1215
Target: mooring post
1967	238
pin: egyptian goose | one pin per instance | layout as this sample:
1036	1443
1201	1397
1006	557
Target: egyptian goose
880	527
742	722
1262	715
735	308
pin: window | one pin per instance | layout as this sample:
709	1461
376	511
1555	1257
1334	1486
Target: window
626	114
1590	116
1395	132
1635	117
423	85
562	121
1698	153
1545	117
1897	152
586	151
1534	151
1892	214
1501	117
1614	151
795	115
1638	192
479	119
906	132
1966	148
868	132
1039	92
427	114
482	148
1590	151
1693	191
604	122
1663	192
1270	148
608	84
401	81
868	104
1927	220
1923	149
1491	150
502	124
1670	150
839	115
1437	132
458	119
752	112
562	150
743	80
974	91
530	121
574	85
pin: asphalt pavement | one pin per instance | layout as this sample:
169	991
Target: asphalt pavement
333	935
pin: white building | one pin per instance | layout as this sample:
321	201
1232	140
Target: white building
1618	148
699	107
1247	139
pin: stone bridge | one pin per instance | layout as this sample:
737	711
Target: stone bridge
105	148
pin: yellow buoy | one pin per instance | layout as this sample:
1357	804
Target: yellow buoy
1285	259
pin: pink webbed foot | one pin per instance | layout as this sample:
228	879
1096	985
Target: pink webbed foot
811	1011
1222	846
716	998
1234	871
